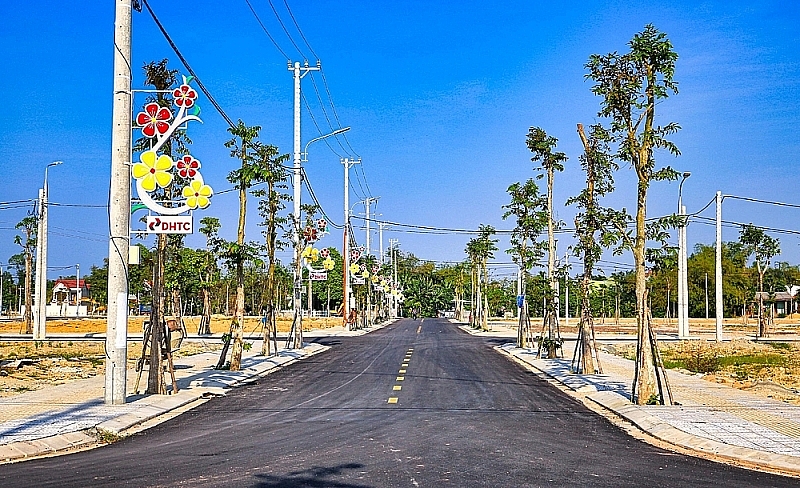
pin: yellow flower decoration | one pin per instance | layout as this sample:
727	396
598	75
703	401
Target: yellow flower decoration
374	278
328	264
365	274
197	194
354	268
153	171
310	254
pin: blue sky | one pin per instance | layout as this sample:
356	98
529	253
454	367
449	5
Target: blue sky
439	96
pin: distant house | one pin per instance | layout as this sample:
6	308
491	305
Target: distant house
66	291
783	301
64	302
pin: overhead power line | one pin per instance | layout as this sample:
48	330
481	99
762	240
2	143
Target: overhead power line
756	200
258	19
186	65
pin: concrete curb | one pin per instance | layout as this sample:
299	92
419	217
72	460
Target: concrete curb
637	416
154	406
211	383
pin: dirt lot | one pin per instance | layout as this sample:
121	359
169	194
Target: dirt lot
33	365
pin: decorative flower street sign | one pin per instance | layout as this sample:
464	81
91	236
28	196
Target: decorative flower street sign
312	255
154	171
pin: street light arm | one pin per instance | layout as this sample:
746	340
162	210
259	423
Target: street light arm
334	133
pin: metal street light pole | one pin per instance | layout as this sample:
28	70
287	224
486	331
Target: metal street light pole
683	295
40	311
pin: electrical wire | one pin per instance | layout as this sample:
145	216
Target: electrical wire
316	201
756	200
764	228
258	19
186	65
319	130
285	30
297	26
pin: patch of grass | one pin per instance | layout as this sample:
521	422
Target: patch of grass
782	346
752	359
107	437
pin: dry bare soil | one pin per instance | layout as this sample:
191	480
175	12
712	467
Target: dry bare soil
32	365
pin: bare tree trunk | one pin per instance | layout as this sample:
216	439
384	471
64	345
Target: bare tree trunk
155	380
644	373
205	319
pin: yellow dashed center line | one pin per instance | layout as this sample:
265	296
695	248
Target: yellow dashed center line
406	360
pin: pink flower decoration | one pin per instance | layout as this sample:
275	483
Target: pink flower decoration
325	253
188	166
322	224
184	96
153	119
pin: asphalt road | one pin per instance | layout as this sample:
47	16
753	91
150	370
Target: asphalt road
464	416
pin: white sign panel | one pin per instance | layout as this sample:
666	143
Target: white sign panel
358	281
318	275
169	224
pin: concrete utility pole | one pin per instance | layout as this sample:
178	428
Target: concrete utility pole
381	226
347	163
683	294
368	202
119	211
566	286
392	247
718	271
78	294
36	314
299	72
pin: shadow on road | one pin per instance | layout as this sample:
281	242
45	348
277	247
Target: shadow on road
314	477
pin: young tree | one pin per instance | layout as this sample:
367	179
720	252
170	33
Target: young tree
542	146
631	85
243	146
529	209
271	203
28	226
762	248
592	218
209	226
480	249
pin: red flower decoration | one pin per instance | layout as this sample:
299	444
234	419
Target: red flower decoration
310	234
153	119
184	96
188	166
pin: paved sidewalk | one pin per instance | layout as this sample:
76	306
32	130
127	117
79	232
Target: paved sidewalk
74	415
712	419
